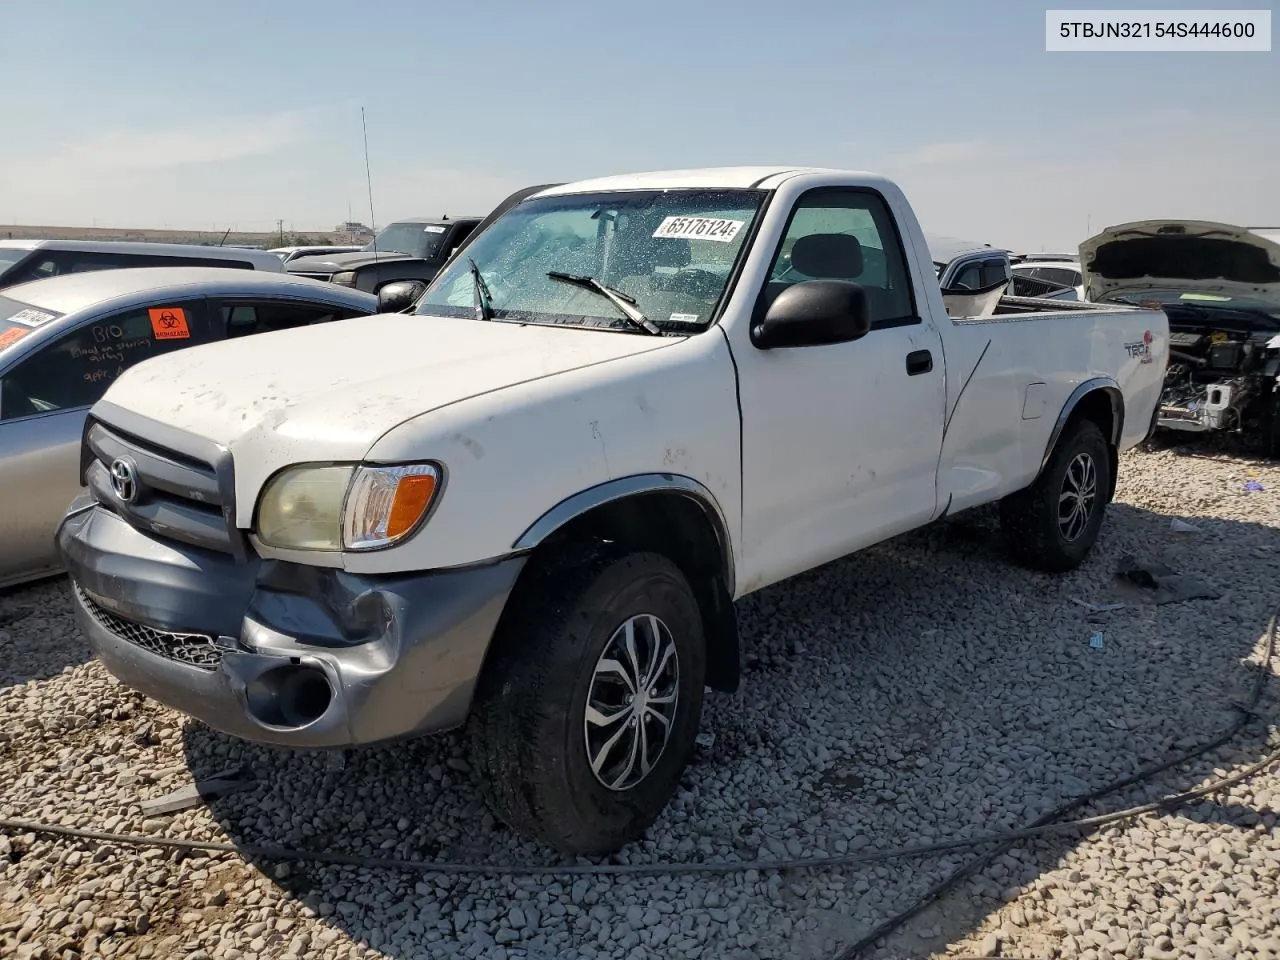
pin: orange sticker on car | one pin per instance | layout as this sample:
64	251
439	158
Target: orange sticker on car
10	337
169	323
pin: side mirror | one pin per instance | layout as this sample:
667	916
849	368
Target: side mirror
814	313
399	295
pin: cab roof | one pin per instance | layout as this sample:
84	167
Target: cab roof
268	261
77	291
727	178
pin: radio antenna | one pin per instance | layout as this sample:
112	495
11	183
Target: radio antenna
368	177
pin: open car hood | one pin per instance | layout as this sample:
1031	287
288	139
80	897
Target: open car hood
1197	256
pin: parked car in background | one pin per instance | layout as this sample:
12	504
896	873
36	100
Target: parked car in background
64	341
411	249
22	261
531	505
287	254
1219	285
1058	269
967	264
973	276
400	282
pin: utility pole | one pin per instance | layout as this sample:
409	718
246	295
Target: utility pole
280	231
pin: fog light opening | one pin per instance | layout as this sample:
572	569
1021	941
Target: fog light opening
290	696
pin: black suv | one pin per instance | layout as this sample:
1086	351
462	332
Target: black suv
411	249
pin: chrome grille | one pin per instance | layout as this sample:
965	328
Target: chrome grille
175	495
194	649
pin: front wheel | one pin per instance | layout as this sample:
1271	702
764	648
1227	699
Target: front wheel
1053	524
587	711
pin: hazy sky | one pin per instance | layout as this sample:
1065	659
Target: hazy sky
236	113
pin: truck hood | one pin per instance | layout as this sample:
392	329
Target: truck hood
332	263
1197	256
329	391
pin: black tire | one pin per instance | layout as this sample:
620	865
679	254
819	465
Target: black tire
528	728
1034	531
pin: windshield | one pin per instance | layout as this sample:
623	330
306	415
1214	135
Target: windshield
415	239
10	256
670	253
17	319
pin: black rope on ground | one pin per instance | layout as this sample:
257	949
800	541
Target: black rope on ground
1038	827
1041	827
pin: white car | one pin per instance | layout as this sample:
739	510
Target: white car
529	505
288	254
1061	269
1219	285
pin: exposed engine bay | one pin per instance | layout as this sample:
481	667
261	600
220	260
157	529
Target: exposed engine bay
1219	285
1223	366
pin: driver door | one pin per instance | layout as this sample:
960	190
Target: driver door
840	443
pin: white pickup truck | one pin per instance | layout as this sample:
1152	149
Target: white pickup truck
529	504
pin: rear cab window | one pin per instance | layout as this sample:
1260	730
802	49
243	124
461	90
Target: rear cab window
75	369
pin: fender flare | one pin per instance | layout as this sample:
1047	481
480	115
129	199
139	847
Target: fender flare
621	488
724	667
1104	384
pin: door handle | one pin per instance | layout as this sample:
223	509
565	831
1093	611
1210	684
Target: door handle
919	361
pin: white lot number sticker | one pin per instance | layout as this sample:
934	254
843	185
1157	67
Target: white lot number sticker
433	229
683	318
32	318
699	228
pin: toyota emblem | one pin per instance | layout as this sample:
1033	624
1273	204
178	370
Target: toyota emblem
124	479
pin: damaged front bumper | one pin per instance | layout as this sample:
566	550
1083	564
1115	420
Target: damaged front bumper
276	652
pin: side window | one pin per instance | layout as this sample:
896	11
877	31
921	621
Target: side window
969	277
994	271
242	319
76	369
840	234
145	260
60	262
40	266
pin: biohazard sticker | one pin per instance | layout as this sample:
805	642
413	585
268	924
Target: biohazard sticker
9	337
699	228
169	323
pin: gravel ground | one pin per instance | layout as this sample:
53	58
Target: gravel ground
922	690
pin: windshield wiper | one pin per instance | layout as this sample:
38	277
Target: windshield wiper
480	290
619	299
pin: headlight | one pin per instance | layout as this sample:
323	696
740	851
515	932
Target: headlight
347	278
345	506
386	504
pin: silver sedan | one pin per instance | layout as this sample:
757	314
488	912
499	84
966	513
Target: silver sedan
65	339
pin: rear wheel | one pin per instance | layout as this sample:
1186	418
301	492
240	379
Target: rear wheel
1053	524
587	712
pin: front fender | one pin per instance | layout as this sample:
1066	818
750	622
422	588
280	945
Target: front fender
523	459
